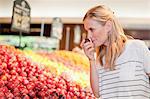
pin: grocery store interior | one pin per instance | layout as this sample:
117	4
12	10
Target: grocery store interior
40	53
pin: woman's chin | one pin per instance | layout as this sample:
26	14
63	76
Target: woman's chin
97	45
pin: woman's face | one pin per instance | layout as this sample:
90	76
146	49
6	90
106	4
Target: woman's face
96	32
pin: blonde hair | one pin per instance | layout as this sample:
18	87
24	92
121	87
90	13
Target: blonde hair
116	38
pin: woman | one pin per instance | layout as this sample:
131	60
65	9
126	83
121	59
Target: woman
121	67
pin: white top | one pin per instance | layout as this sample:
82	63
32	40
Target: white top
129	79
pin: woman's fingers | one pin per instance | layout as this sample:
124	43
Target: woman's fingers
82	43
88	48
91	49
88	45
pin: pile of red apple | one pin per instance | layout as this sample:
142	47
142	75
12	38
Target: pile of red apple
20	78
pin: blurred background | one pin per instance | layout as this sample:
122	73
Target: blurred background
133	14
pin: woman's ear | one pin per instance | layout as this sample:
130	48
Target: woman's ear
108	26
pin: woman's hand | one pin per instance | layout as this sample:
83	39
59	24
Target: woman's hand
88	48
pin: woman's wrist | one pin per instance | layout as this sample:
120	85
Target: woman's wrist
91	59
92	62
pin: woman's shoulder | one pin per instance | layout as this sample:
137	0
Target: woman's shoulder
133	48
135	43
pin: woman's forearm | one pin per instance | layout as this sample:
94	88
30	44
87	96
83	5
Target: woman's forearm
94	78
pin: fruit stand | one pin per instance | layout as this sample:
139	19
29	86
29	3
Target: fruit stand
26	74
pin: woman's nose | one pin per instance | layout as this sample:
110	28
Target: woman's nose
89	35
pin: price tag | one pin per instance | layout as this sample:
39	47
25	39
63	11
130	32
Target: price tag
21	16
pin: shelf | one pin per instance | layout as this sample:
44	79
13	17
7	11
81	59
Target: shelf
37	20
127	23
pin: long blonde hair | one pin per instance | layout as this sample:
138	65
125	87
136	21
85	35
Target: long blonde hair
116	38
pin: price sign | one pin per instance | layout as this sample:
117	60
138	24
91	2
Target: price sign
21	16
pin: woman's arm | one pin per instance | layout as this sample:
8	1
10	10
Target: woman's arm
89	50
94	78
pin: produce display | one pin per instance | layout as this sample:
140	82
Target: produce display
30	42
64	63
29	75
